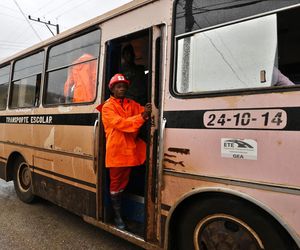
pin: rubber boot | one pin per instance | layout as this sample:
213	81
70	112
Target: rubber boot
116	200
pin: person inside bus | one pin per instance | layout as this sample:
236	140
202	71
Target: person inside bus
122	118
135	74
279	79
80	85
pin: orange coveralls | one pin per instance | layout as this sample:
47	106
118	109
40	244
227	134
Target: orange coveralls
122	120
82	79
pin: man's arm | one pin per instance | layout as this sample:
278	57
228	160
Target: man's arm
113	120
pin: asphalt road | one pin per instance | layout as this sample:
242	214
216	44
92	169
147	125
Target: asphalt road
43	225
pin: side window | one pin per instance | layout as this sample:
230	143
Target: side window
26	81
4	79
72	70
261	52
231	57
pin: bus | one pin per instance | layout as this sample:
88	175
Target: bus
222	168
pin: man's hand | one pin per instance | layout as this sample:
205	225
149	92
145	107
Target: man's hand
147	112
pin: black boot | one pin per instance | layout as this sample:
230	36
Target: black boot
116	200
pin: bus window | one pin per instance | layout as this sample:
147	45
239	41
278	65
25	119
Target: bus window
199	14
229	57
261	52
26	81
4	79
72	70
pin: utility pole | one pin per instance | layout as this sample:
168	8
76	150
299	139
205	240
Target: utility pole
46	23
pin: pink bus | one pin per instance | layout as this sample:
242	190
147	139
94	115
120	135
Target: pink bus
222	169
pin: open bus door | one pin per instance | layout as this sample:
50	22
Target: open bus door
139	205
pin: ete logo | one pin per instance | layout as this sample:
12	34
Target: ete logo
236	143
121	78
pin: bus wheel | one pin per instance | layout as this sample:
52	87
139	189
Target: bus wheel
22	181
228	224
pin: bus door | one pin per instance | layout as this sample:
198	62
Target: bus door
139	197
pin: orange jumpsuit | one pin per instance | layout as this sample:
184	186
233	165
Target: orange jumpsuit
122	120
82	79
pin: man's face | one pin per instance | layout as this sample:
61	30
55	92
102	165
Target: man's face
119	89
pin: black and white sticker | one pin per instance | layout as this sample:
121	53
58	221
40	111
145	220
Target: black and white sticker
245	149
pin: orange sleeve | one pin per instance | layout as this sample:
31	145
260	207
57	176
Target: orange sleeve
141	108
112	119
91	86
69	83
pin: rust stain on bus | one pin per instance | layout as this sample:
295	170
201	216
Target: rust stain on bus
175	162
183	151
171	156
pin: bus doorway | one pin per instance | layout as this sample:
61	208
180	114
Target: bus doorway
130	55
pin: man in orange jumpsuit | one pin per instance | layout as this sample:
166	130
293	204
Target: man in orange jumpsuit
122	119
81	83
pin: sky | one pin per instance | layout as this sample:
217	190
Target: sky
17	32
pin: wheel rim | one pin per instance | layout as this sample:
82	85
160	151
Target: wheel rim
24	177
222	232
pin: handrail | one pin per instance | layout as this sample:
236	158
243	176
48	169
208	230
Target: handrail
161	152
95	145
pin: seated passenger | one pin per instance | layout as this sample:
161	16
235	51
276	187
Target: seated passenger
80	85
279	79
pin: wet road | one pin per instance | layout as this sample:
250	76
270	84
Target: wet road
43	225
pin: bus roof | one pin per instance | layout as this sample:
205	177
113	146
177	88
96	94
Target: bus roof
134	4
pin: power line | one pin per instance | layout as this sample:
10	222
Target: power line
14	42
44	6
35	32
15	17
14	10
74	7
58	7
10	48
11	45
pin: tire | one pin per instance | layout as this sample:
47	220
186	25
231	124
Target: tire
23	181
217	223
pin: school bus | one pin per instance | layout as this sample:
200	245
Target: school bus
222	169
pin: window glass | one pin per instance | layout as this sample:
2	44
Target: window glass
4	79
288	23
232	57
55	90
26	81
72	70
66	53
199	14
261	52
29	66
25	92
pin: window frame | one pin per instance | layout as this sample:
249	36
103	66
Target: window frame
8	85
97	59
11	83
217	93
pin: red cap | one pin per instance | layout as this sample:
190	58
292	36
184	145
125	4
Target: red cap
116	79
